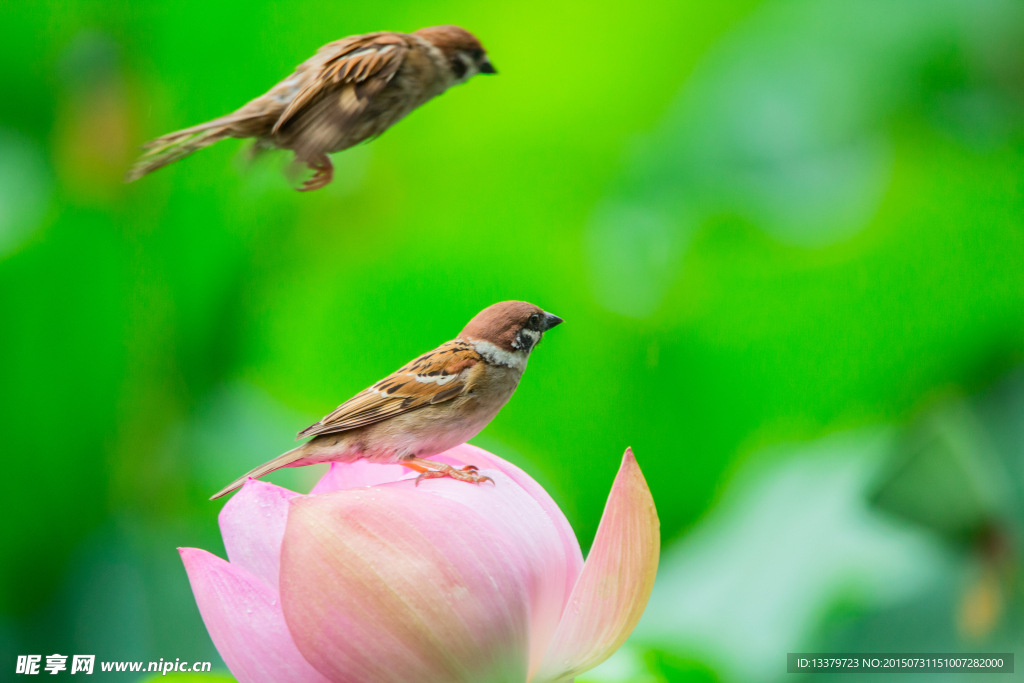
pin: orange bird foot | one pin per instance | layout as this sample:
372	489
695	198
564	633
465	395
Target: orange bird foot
323	173
429	469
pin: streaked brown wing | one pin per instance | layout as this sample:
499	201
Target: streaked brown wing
437	376
368	62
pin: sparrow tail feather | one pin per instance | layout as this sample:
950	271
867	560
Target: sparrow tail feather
283	460
174	147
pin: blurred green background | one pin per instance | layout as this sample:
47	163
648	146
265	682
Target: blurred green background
787	239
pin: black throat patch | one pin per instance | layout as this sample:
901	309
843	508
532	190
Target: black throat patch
458	67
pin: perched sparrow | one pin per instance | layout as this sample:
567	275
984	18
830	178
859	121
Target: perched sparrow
351	90
436	402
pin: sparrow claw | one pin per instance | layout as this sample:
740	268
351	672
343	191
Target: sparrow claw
473	470
469	473
429	474
322	176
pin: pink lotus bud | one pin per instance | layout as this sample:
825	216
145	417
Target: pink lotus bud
372	579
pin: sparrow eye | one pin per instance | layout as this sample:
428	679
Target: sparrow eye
477	54
534	322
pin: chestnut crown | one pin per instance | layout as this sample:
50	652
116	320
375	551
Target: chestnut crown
465	55
510	325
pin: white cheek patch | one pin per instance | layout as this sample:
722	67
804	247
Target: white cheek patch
471	68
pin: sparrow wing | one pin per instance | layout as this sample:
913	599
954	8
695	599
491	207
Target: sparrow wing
366	62
437	376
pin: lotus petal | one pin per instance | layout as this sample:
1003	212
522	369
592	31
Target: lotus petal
252	526
471	455
534	539
615	584
377	586
359	474
243	615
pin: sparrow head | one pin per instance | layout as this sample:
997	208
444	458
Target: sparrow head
508	330
466	56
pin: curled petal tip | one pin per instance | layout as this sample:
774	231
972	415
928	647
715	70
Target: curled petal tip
185	551
252	525
615	584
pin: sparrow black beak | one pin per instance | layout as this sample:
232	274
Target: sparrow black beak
487	68
551	320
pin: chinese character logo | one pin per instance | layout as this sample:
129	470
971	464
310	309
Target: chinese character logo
28	664
82	663
55	663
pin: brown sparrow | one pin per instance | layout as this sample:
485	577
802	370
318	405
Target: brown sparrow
351	90
436	402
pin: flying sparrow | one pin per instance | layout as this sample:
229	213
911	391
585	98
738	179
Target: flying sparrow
436	402
351	90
